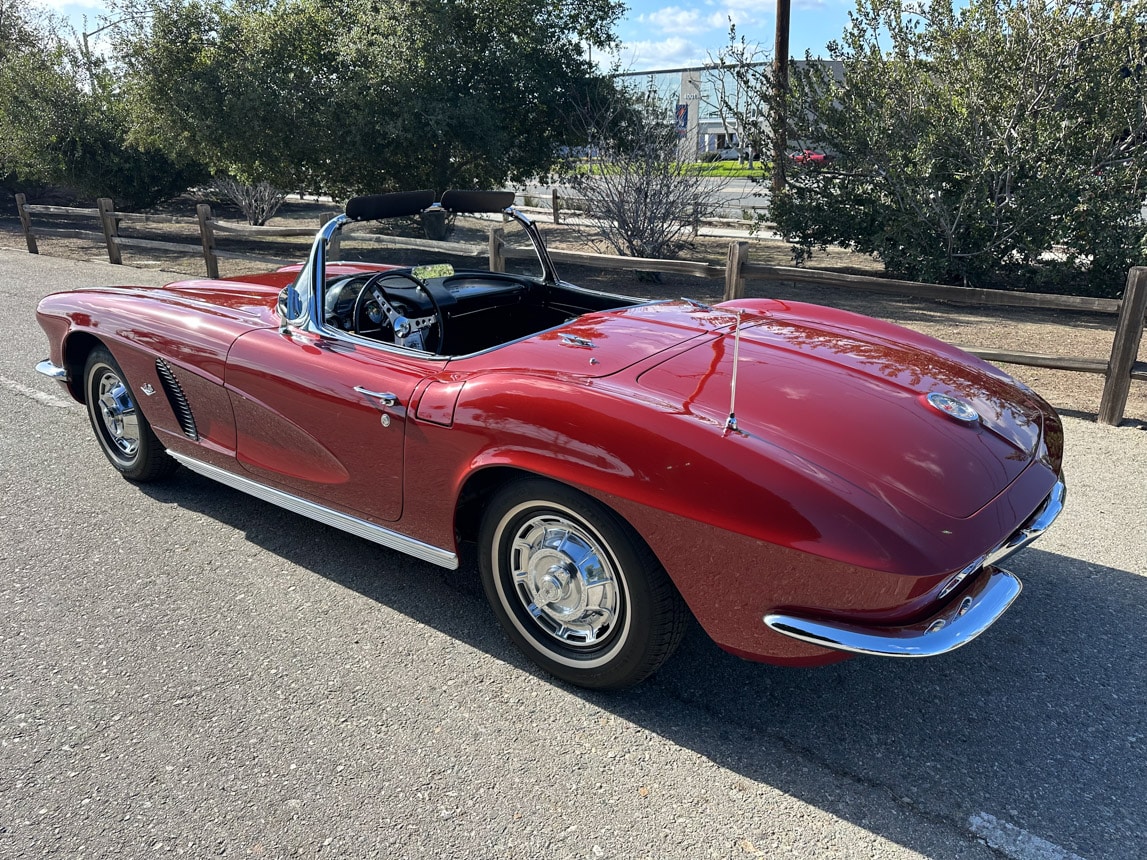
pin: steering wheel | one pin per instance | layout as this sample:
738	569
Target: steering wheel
375	311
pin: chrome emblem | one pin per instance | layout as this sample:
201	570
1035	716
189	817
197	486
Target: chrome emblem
952	407
147	389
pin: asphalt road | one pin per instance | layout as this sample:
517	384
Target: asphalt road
736	195
185	670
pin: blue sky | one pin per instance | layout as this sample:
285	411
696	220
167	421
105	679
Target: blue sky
663	34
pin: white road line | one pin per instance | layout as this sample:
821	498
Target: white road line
1014	841
39	396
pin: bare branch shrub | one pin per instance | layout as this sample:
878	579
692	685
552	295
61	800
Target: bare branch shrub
258	202
641	199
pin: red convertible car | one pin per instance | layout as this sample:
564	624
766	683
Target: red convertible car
812	158
807	483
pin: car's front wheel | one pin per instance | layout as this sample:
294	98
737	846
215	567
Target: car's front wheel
576	590
126	438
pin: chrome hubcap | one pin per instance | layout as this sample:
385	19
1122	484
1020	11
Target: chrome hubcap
117	411
565	580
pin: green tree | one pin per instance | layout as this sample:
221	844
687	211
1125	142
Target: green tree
1002	143
236	86
354	95
63	121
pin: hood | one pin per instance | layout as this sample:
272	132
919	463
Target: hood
249	301
839	391
250	296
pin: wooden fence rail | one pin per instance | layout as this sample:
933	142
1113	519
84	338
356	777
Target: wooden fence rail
1119	368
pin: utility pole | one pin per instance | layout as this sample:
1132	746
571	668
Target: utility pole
779	118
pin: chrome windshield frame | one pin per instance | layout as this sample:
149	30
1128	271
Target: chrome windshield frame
302	307
549	273
304	297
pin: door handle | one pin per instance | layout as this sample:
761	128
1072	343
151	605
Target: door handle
386	398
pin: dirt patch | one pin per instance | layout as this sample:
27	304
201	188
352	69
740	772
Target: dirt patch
1062	333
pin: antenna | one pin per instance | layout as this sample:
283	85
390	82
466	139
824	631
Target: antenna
731	421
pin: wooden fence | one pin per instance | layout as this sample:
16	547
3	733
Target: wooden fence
1119	368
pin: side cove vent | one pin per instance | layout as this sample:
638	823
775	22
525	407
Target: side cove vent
177	399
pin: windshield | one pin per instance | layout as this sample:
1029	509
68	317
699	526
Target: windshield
402	230
486	242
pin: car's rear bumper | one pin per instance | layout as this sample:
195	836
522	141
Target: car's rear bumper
958	624
1036	524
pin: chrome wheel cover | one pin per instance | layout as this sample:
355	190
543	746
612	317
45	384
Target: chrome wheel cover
116	412
566	580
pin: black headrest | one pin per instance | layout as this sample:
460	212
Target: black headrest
459	200
374	206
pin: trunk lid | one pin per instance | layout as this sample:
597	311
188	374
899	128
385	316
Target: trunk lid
843	393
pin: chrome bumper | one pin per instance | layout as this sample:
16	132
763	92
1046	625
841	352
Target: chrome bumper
1036	525
52	371
956	626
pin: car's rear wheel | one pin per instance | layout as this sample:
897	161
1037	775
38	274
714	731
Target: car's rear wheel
576	590
126	438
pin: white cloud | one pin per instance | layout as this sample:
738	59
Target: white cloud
691	32
675	21
744	13
716	15
72	9
758	8
668	53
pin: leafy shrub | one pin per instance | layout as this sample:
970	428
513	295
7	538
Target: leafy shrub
1000	144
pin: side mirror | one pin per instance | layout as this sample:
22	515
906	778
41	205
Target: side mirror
289	306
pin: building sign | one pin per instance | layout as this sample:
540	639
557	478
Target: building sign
682	119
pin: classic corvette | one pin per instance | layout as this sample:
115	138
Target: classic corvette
808	483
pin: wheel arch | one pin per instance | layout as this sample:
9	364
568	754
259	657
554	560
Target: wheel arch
78	345
483	482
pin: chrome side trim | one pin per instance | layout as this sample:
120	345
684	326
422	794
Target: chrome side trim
953	628
327	516
52	371
1037	524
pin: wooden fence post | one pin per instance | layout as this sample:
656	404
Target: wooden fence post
734	270
555	204
207	236
26	224
497	241
111	229
1125	348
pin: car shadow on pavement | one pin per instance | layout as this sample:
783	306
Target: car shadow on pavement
1041	723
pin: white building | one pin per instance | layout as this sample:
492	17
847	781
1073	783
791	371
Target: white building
701	94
